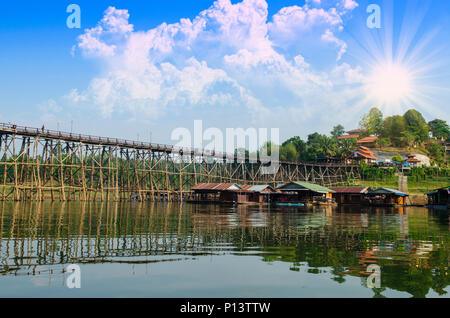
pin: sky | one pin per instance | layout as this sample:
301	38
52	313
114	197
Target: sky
141	69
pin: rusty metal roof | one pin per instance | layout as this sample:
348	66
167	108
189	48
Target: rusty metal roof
214	186
350	190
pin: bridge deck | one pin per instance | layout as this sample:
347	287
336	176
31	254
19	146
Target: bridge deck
11	129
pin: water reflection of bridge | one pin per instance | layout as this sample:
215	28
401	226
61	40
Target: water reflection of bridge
37	164
35	234
40	238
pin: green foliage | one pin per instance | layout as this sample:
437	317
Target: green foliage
288	152
417	125
399	131
384	142
338	131
409	139
439	129
393	128
437	151
397	158
346	147
373	122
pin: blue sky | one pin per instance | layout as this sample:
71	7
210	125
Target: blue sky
133	68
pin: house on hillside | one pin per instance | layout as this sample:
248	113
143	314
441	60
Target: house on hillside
353	134
369	142
364	154
412	162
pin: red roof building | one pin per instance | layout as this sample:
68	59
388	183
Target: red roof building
348	137
364	154
368	140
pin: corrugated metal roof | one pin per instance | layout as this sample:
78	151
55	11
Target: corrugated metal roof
215	186
388	191
350	190
310	186
260	188
441	189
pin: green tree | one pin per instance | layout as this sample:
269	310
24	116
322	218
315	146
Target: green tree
394	126
436	151
408	138
288	152
268	148
346	147
397	158
373	122
439	129
416	125
299	145
338	131
384	142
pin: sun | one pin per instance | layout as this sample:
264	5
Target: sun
390	83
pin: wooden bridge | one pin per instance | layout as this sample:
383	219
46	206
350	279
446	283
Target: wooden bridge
39	164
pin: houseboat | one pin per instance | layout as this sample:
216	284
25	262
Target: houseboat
439	198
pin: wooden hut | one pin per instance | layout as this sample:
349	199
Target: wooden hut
439	197
215	192
386	197
350	195
261	193
303	192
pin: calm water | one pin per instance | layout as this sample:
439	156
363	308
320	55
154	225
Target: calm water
172	250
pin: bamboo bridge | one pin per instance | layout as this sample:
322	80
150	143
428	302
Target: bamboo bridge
39	164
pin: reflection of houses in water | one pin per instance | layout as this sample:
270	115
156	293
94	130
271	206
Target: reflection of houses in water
37	239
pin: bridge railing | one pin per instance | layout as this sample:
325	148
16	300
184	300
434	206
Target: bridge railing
130	143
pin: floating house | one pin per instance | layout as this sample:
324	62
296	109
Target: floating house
233	193
303	192
386	197
440	197
350	195
210	192
260	193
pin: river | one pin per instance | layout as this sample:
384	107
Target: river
183	250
